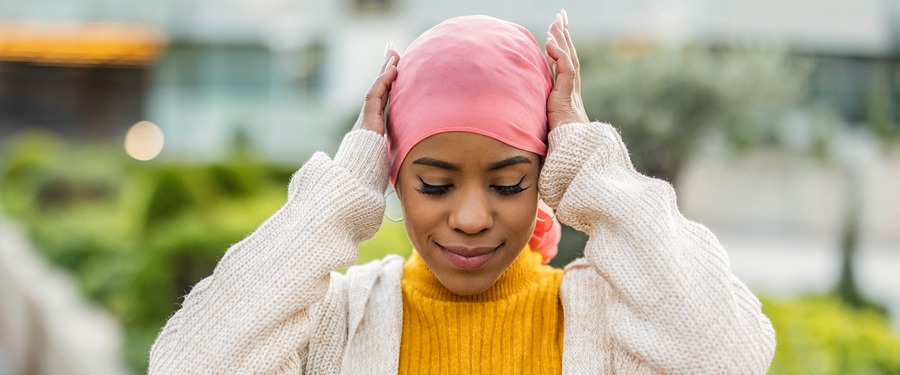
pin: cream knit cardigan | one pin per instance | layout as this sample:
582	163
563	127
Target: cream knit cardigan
653	294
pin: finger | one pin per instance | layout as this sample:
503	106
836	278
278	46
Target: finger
563	67
551	61
565	76
554	49
376	97
392	69
396	55
562	40
576	65
571	48
382	82
572	52
387	54
554	53
371	116
385	64
559	37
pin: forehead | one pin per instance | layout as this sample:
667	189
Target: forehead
466	148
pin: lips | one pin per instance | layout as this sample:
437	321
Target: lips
468	258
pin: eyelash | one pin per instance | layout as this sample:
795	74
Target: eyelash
511	190
433	189
439	190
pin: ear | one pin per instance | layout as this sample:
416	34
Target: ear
396	187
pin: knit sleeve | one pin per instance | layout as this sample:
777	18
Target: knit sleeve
253	314
673	305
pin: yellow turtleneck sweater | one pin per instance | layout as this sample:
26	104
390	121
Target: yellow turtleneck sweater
514	327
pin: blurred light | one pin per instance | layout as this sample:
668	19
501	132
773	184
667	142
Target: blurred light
87	44
144	141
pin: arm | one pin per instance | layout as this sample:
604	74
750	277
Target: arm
664	292
252	315
675	306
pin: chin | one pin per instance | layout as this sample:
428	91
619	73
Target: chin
469	285
467	292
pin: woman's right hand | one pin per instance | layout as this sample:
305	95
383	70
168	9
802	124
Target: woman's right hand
371	117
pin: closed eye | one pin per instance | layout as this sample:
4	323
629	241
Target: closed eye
433	189
511	189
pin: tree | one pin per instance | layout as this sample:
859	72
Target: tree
665	100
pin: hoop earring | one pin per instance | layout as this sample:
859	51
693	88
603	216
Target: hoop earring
548	220
393	191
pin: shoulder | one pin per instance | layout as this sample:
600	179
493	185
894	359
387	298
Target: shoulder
348	298
581	282
362	279
378	277
386	266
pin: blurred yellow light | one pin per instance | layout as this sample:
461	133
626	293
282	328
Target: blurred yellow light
144	141
86	44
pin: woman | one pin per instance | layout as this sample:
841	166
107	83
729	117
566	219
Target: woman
478	133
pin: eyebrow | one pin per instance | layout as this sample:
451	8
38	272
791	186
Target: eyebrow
454	167
436	163
511	161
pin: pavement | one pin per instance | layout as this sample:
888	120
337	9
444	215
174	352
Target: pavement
787	264
4	367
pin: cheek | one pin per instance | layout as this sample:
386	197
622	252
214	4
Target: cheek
419	217
518	217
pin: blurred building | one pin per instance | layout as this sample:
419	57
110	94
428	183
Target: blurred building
81	81
292	74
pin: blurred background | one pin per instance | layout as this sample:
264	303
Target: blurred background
138	140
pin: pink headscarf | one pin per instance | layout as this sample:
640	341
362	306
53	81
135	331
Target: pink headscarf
474	74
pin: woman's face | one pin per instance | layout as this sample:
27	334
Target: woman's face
469	204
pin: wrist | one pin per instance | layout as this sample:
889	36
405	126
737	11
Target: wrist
363	153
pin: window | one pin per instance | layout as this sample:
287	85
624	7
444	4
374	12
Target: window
372	6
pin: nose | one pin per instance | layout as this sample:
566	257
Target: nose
472	214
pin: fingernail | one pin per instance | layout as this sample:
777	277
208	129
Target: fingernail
390	63
559	20
387	49
565	17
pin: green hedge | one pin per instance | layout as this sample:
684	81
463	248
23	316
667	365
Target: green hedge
138	235
819	335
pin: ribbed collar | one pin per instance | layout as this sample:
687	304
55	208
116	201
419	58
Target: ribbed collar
524	272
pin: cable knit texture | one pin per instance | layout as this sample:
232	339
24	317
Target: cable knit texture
653	294
514	327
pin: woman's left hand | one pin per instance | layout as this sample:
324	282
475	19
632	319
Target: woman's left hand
564	104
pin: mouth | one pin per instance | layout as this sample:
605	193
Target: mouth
467	258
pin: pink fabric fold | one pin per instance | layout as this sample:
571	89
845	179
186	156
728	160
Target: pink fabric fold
547	233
